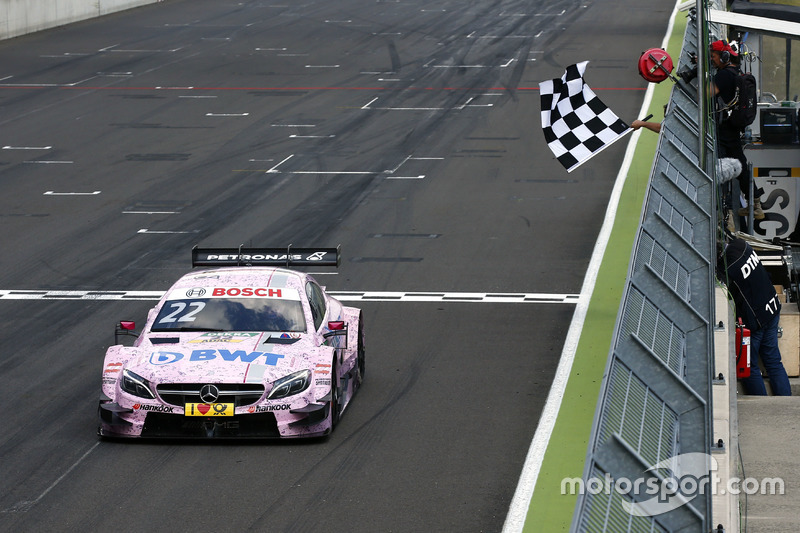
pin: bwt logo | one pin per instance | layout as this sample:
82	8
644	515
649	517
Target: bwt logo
167	358
670	484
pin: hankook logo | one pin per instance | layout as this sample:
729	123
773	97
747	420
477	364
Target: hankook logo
209	393
197	292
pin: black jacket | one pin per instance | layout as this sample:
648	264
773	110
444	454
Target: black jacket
757	302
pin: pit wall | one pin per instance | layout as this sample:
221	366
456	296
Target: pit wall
18	17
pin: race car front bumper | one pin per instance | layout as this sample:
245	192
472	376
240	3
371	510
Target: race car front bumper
120	422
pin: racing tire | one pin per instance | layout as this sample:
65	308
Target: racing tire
335	393
100	435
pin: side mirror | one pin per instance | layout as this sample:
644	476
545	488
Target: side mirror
337	329
125	328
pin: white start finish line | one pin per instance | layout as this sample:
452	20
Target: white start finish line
344	296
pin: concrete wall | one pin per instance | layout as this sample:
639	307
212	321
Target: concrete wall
18	17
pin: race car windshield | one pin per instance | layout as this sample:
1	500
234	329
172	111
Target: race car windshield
231	314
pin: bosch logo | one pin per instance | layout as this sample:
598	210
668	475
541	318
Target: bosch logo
197	292
247	291
209	393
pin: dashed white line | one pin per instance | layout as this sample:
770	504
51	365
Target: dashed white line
53	193
503	37
27	147
368	106
164	232
353	172
143	51
151	212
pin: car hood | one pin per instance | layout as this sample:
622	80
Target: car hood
199	357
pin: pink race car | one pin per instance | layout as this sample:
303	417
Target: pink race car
244	350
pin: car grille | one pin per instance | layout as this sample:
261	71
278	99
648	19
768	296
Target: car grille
239	394
259	425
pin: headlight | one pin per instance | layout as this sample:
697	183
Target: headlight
133	383
294	383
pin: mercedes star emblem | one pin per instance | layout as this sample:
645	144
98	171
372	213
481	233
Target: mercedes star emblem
209	393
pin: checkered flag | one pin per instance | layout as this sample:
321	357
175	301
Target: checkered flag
576	124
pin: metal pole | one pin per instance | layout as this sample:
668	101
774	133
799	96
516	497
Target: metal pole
710	169
788	68
750	207
702	80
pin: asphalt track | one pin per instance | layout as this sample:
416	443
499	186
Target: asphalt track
408	132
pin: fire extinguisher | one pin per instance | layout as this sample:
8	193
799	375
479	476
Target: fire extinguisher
742	350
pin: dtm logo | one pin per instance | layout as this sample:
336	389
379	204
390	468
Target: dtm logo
750	265
167	358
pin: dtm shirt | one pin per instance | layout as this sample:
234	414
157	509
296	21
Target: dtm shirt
757	302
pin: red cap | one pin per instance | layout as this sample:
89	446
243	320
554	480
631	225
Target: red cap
722	46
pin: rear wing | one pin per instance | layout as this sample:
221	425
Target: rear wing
266	256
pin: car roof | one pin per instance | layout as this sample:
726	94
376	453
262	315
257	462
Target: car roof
244	277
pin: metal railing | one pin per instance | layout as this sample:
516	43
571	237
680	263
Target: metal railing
655	401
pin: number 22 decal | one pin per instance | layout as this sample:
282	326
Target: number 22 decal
179	308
